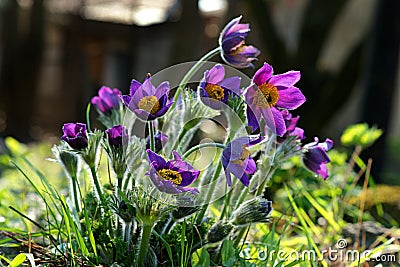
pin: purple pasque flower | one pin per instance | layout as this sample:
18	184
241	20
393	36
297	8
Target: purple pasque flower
214	89
160	140
269	92
315	157
147	101
116	134
291	125
232	43
107	100
236	159
75	135
172	176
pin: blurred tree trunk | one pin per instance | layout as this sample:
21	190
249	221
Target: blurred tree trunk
188	33
21	66
380	77
8	24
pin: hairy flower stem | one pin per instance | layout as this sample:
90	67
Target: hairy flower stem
261	188
192	71
151	135
242	197
127	232
203	210
227	200
234	126
238	238
144	243
96	182
74	181
200	146
180	137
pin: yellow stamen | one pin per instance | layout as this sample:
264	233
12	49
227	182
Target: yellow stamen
215	91
171	175
244	156
238	50
149	104
267	95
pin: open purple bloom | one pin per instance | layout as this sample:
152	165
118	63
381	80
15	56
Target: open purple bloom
291	125
172	176
107	100
214	89
267	93
232	43
116	134
75	135
236	159
315	158
160	140
147	101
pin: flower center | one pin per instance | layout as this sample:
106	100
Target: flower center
215	91
149	104
171	175
238	50
267	95
244	156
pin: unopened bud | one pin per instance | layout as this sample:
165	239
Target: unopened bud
219	231
252	211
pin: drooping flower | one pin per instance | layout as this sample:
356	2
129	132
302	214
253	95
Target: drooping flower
75	135
315	157
291	125
107	100
171	176
267	93
160	140
236	159
116	134
214	89
147	101
232	43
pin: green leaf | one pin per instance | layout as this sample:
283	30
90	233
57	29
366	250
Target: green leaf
201	258
16	148
18	260
228	253
360	135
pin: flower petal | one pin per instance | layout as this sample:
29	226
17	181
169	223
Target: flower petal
239	171
228	178
242	56
162	89
287	79
134	86
227	29
290	98
299	132
276	123
251	166
253	116
263	74
232	84
215	74
126	99
147	87
233	42
156	160
317	155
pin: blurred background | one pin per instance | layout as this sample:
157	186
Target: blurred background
56	54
